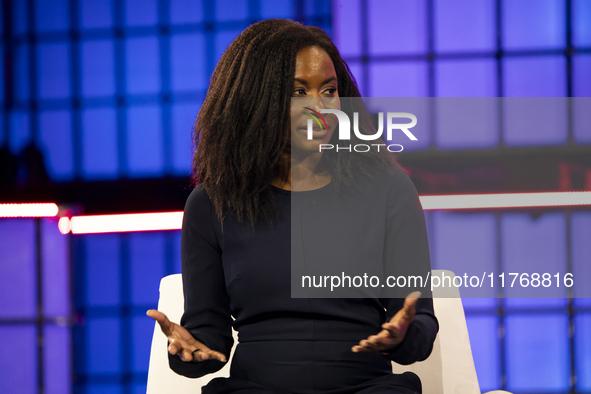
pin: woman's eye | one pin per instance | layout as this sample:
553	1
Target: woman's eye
299	92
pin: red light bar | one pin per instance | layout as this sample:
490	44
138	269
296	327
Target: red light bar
25	210
121	223
173	220
506	200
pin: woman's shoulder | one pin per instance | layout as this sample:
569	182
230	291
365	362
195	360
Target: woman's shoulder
199	195
198	203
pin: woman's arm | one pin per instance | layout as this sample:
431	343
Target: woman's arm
417	342
207	305
407	253
410	336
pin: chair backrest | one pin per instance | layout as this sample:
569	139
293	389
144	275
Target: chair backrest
161	379
449	369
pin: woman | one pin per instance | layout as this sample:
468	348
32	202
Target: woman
237	243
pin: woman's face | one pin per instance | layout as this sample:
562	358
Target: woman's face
315	88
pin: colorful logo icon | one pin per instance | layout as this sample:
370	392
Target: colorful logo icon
315	114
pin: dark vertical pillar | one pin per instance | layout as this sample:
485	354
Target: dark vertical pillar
365	56
120	87
209	32
431	70
33	99
7	58
79	334
499	69
254	11
39	320
299	11
72	320
165	93
75	72
569	69
571	312
500	304
125	316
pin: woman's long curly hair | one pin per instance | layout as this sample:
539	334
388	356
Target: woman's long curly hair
243	127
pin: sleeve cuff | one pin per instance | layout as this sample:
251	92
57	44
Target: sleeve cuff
193	370
418	342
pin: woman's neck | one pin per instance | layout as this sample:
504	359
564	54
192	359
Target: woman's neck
303	174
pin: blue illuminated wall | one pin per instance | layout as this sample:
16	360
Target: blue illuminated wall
118	279
465	48
527	345
490	48
107	90
110	90
35	307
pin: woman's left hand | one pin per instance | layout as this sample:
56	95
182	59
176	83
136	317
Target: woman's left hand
394	331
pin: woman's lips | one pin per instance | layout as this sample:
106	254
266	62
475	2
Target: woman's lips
316	132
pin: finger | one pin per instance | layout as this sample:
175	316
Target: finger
393	329
186	355
368	345
215	355
365	346
372	339
197	355
411	301
359	349
162	319
384	343
202	355
175	347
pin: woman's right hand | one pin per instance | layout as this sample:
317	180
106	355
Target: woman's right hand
182	343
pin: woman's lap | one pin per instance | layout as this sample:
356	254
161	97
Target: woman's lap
407	383
310	367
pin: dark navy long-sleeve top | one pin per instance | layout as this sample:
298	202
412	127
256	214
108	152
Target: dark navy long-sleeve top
247	274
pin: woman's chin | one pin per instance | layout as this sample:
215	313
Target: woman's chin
308	148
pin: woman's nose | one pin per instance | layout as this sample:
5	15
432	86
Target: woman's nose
317	102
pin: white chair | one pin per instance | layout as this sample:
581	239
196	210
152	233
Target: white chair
448	370
450	367
161	379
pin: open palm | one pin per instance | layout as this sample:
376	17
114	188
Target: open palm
182	343
394	331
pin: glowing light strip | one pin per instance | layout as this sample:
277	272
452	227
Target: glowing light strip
33	210
121	223
173	220
506	200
